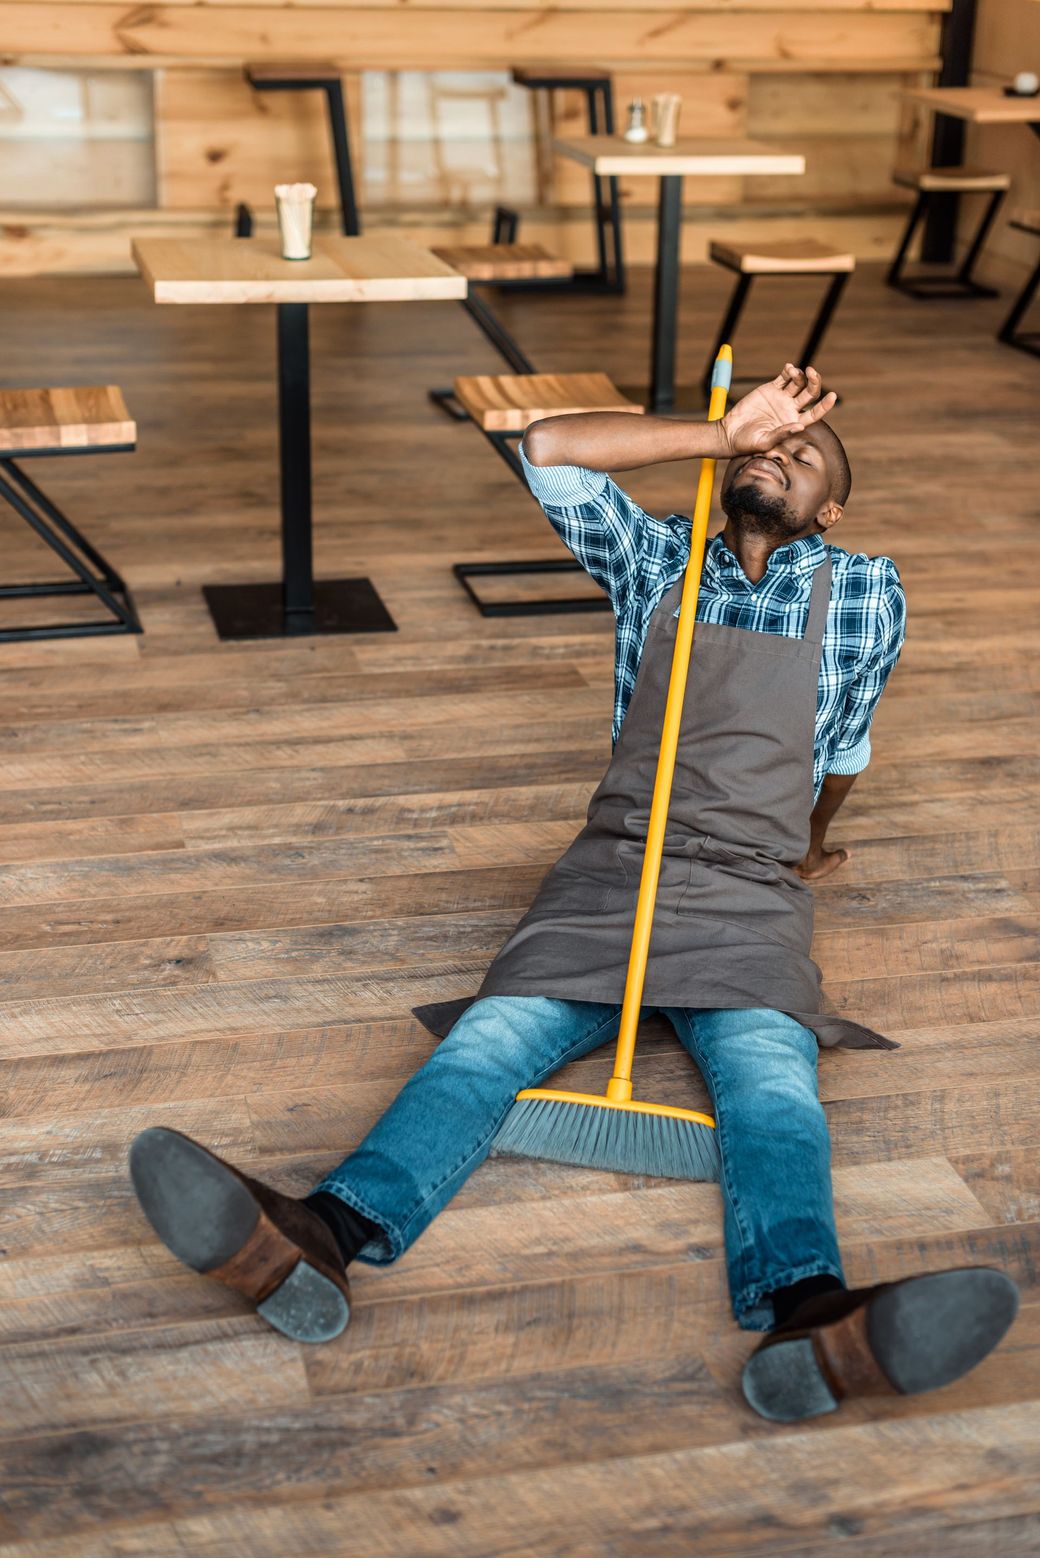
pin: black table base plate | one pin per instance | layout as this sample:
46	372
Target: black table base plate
255	610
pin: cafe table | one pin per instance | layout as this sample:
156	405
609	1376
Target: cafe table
612	156
976	105
250	271
979	105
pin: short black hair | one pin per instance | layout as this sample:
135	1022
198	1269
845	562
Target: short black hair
841	484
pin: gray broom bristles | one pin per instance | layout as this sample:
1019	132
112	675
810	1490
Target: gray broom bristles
627	1141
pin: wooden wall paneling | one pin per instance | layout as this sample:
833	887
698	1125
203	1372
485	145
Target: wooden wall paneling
806	7
456	39
218	141
851	129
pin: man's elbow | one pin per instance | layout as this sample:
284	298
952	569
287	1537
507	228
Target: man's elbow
540	442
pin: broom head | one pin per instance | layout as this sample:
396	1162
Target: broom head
594	1132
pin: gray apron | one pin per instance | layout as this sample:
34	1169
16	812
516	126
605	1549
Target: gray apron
733	923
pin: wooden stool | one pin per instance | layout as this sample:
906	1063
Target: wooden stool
597	87
81	420
499	265
796	257
306	76
1024	340
932	184
503	406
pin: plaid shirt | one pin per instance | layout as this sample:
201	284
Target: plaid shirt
637	559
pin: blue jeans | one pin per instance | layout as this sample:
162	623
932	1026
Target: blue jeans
760	1068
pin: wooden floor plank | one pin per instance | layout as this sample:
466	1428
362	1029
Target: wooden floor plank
229	870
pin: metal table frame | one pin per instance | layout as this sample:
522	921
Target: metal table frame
299	605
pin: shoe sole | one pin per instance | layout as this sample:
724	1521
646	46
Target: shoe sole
924	1333
206	1216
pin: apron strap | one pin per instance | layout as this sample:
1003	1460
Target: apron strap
819	602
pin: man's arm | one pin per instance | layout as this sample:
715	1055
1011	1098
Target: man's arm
619	441
852	753
820	862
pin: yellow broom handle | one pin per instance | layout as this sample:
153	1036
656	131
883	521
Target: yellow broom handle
619	1087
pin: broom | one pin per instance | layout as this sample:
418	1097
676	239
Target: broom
617	1131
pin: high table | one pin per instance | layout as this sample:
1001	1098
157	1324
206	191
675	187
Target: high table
340	270
977	105
609	155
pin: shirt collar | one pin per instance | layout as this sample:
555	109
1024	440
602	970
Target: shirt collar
798	557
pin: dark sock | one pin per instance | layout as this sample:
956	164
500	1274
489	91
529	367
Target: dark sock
786	1300
350	1229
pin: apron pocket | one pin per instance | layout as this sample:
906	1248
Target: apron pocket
676	863
749	892
749	866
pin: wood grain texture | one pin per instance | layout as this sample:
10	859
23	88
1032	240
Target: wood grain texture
504	261
606	154
467	37
794	257
509	402
76	417
340	270
980	105
229	872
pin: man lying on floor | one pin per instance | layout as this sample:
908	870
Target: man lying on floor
794	643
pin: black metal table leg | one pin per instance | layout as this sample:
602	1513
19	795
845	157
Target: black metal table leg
940	231
299	605
349	218
294	443
666	293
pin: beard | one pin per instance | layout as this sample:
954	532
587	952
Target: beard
755	512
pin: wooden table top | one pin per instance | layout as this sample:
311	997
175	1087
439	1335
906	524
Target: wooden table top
982	105
607	154
251	270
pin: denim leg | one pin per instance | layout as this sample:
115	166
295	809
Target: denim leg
760	1068
443	1121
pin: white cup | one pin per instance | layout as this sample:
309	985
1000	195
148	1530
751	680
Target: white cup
1027	83
295	206
666	106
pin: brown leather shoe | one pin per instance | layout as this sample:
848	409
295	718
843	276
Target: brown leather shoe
272	1249
897	1338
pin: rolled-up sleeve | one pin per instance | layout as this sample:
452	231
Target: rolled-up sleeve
887	603
600	525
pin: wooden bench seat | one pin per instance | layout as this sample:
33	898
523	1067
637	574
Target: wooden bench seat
961	180
931	185
77	419
505	262
508	403
38	421
1009	332
791	257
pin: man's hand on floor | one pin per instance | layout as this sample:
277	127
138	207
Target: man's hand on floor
819	863
775	411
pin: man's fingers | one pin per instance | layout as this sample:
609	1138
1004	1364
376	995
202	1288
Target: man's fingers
794	379
811	389
776	435
821	408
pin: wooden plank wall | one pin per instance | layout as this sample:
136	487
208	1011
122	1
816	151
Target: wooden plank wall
822	76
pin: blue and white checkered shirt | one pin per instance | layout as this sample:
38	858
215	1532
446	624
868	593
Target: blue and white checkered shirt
637	559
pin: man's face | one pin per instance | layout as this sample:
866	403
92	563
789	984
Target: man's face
786	492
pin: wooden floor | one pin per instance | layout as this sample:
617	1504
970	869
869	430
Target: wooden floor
230	871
